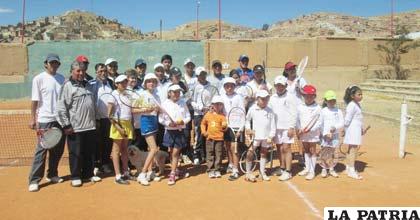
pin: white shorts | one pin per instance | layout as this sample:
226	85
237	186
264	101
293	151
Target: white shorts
312	137
282	137
261	143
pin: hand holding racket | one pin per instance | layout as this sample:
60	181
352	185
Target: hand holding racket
364	131
236	122
49	138
207	95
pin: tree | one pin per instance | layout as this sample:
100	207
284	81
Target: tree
265	27
392	54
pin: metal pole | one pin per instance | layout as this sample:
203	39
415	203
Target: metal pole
161	24
23	21
220	23
404	121
392	19
196	31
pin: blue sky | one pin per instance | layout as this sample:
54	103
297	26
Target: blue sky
145	14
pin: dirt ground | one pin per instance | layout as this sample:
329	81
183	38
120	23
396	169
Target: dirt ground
388	181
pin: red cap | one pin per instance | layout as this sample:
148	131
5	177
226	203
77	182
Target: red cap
289	65
82	59
309	90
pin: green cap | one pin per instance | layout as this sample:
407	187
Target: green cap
330	95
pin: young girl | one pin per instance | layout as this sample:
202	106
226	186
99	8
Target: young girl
213	126
174	119
332	122
308	125
264	129
149	124
353	124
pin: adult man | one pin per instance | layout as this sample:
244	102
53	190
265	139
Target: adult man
112	68
140	66
217	78
245	73
76	114
167	64
102	86
85	60
45	91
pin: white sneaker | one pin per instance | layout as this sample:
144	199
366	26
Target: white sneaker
324	173
33	187
142	179
310	176
217	174
229	168
212	174
153	177
95	179
333	173
278	172
265	177
353	174
76	183
196	161
250	178
285	176
55	179
304	172
186	160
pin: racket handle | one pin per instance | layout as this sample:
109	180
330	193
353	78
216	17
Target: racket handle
235	147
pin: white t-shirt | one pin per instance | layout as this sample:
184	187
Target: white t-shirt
256	87
103	94
122	106
263	122
151	99
175	111
232	101
285	108
294	87
46	90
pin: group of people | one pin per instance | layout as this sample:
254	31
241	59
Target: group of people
99	122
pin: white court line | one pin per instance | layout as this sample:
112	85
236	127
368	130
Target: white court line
305	199
11	163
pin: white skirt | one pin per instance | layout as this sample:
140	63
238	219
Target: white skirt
353	135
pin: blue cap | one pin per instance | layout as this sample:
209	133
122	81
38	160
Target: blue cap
52	57
243	56
139	62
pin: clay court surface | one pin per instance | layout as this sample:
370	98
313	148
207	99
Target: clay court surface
388	181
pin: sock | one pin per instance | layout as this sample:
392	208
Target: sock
235	170
313	164
230	165
262	165
118	176
248	167
307	162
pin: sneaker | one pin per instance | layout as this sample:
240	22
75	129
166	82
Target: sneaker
278	172
121	181
234	176
149	175
96	171
186	160
353	174
95	179
172	179
76	183
33	187
310	176
196	161
265	177
285	176
304	172
324	173
212	174
55	179
180	174
250	178
229	168
217	174
142	179
333	173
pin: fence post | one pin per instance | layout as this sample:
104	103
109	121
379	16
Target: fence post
404	121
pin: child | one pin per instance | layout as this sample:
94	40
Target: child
264	129
149	124
332	122
232	100
353	124
308	125
284	107
213	126
174	119
259	82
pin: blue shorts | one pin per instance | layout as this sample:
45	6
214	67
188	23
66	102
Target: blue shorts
148	124
174	138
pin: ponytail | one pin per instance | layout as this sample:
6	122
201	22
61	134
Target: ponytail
350	91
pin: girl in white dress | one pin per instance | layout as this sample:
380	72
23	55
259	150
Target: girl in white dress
353	124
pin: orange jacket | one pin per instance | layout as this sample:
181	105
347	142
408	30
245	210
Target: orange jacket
214	125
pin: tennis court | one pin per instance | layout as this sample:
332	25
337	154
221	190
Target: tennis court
388	181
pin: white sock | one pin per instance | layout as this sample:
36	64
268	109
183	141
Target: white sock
118	176
230	165
307	162
248	166
235	170
313	164
262	164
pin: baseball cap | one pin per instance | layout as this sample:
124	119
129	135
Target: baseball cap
243	56
229	80
200	70
120	78
280	80
289	65
258	68
110	60
187	61
174	87
157	65
309	90
330	95
215	62
82	59
262	93
52	57
139	62
175	71
217	99
149	76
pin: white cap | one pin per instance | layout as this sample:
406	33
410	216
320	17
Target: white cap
149	76
110	60
174	87
157	65
217	99
280	80
200	69
262	93
120	78
229	80
188	60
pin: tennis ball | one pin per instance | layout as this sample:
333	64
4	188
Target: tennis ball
224	124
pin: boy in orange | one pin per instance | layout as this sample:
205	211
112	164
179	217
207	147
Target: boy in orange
213	126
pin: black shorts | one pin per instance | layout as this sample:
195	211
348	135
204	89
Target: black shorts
229	135
174	138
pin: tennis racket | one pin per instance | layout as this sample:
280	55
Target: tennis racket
301	67
245	91
49	138
207	95
344	148
236	122
132	99
327	157
109	98
312	122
